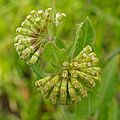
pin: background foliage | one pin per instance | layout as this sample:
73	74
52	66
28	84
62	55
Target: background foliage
18	97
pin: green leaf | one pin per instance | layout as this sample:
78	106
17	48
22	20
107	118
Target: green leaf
59	43
50	68
85	35
54	55
38	71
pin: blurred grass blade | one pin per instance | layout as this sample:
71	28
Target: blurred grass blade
80	111
113	113
114	53
108	86
109	80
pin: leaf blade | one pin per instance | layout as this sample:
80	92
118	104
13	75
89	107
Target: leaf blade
85	35
54	55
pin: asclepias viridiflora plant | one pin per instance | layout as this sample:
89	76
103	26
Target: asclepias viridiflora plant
64	76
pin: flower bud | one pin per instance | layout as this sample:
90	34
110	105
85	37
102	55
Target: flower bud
35	56
54	95
63	93
59	18
73	95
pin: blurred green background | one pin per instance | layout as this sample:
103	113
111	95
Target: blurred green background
19	99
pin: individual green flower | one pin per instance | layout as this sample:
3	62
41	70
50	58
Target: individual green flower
35	31
74	81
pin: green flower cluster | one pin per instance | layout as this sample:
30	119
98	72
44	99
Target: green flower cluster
72	84
35	32
75	78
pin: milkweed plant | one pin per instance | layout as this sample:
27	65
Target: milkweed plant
65	75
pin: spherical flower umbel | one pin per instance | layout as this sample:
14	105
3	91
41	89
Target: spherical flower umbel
73	83
35	32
